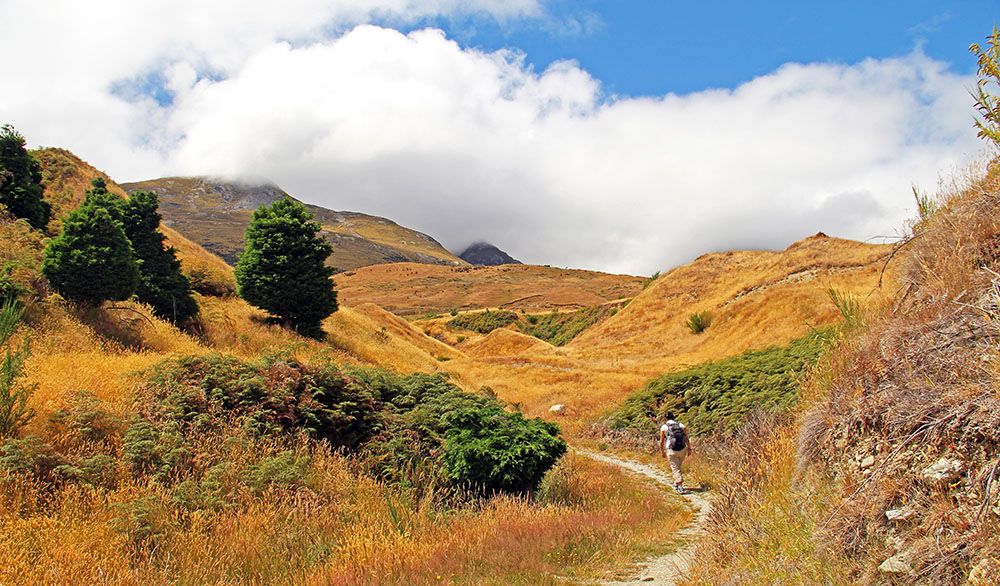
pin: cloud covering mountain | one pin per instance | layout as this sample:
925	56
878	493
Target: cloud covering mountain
466	144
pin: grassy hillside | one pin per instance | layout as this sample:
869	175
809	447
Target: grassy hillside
758	299
414	289
888	473
66	177
162	456
215	213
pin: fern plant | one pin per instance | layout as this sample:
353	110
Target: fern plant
14	410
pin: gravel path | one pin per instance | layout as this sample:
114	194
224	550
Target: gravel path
664	570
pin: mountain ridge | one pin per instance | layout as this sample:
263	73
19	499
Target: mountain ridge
215	211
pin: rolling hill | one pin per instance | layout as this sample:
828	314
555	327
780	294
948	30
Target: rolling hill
758	299
215	213
411	289
66	177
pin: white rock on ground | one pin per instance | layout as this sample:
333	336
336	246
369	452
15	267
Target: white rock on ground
557	409
897	564
944	471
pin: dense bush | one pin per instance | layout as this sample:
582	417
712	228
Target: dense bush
722	392
199	418
437	431
14	393
161	283
558	328
483	322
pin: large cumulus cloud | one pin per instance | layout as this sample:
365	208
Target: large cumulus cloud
470	145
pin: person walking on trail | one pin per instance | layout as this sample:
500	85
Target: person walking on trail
675	445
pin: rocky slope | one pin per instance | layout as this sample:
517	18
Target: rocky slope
215	213
483	254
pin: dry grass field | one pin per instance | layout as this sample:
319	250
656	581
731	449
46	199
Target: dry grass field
757	299
412	289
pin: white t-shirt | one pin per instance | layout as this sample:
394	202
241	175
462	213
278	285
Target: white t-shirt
665	428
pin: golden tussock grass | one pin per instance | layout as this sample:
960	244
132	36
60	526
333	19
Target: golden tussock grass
413	289
342	529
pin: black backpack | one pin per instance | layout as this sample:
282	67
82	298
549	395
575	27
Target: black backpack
676	440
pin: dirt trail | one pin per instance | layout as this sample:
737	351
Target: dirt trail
667	569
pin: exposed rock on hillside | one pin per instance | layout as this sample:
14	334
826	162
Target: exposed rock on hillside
484	254
215	213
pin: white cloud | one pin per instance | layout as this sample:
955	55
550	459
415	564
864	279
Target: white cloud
468	145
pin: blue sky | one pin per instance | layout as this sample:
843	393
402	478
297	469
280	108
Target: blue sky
656	47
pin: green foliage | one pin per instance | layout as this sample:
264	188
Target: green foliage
14	394
699	322
286	470
161	283
723	392
21	180
652	279
201	393
987	103
558	328
483	322
282	268
92	260
10	290
848	306
435	432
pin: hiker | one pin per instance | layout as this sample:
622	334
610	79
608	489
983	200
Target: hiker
675	446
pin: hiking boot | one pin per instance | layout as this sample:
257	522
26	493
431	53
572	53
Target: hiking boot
680	489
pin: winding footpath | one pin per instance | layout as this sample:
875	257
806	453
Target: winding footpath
664	570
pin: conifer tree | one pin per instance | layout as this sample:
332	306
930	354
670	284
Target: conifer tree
92	260
161	283
21	180
282	268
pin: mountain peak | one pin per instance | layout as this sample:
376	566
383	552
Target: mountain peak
485	254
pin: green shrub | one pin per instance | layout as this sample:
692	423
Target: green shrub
699	322
439	433
722	392
559	328
483	322
286	469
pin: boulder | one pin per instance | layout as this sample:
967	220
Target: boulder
558	409
944	471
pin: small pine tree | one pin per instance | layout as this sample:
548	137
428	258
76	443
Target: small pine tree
92	260
161	283
21	180
282	268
